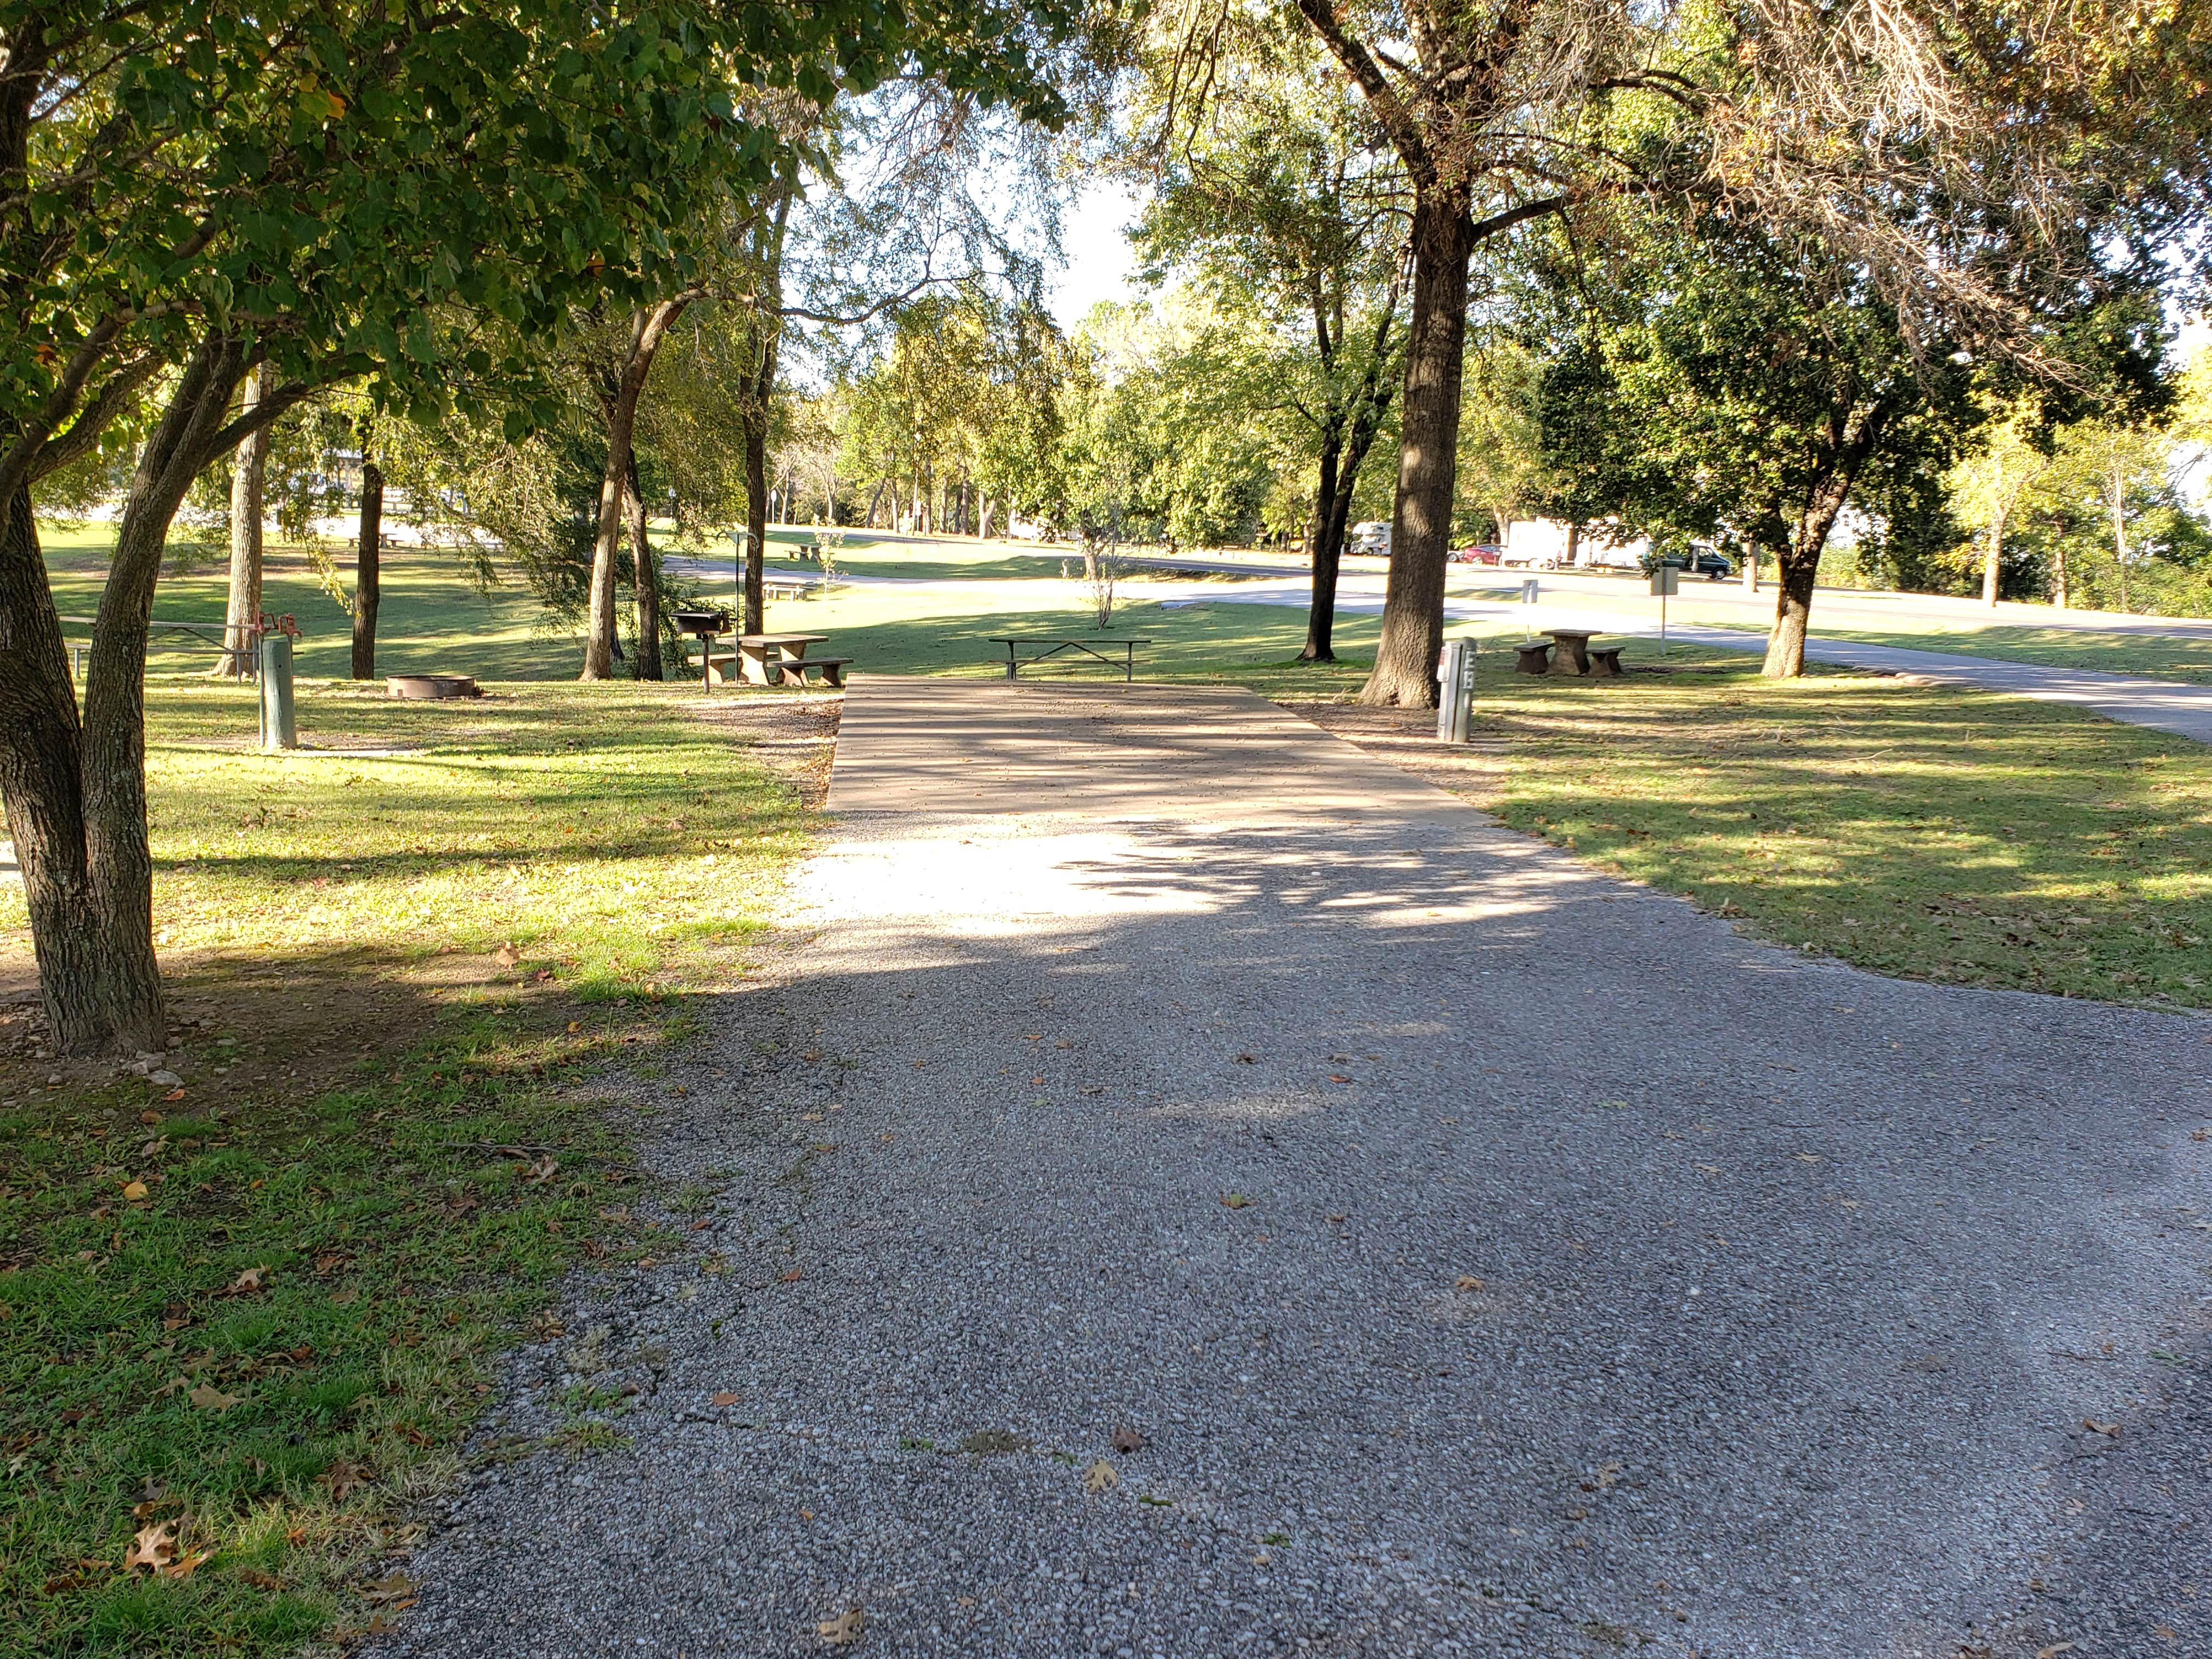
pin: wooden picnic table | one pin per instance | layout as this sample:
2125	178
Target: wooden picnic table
1055	647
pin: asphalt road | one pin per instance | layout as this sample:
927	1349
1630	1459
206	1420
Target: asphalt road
1194	1190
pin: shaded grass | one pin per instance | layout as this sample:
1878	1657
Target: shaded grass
259	1309
1930	832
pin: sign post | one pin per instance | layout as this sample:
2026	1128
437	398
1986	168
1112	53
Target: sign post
1665	580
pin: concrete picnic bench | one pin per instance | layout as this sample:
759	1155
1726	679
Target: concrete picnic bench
1054	646
1576	656
759	659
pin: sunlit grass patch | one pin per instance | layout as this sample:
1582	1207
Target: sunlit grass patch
1933	832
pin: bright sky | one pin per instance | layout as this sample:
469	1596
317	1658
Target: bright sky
1099	257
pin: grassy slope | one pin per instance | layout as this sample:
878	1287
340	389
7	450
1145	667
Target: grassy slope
353	1065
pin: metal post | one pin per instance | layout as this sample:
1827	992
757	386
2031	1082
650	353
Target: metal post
1665	580
280	728
1456	681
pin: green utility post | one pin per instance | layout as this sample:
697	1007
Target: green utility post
280	725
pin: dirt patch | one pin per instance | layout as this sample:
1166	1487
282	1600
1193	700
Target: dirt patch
1406	738
794	735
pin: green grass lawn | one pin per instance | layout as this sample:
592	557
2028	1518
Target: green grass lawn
1932	832
2167	658
420	976
430	619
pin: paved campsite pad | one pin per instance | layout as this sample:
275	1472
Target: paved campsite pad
1492	1256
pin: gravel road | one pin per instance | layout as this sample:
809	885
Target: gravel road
1204	1192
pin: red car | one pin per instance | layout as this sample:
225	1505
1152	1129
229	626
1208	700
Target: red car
1481	553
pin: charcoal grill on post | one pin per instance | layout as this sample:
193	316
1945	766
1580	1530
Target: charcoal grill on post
706	626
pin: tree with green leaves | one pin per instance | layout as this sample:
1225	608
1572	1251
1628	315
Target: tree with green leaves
345	194
1277	196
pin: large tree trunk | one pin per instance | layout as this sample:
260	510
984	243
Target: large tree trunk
368	566
249	467
41	781
647	328
1405	671
1991	559
645	577
76	791
1800	560
1327	556
755	434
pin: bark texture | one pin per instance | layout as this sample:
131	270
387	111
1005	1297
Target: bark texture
648	327
368	568
1854	434
644	577
249	470
75	788
1420	526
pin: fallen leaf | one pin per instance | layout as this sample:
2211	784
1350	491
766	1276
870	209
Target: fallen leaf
796	1272
1126	1440
134	1190
726	1398
260	1580
253	1278
1236	1201
174	1094
1093	1088
1467	1282
1247	1060
506	955
845	1627
1602	1478
153	1545
185	1565
576	1026
1335	1078
342	1478
2109	1429
345	1298
1100	1477
208	1397
537	1174
397	1588
1036	1082
2054	1650
149	1117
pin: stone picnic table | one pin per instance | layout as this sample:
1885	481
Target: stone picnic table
1574	646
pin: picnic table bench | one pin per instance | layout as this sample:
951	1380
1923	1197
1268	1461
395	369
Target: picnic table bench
1053	648
1576	654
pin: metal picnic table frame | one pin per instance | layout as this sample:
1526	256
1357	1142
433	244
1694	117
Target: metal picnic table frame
1016	662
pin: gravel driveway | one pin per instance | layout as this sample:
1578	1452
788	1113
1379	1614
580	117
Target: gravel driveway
1204	1192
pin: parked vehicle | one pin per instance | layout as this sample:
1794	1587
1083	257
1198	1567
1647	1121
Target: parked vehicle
1603	557
1707	561
1372	537
1524	559
1481	553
